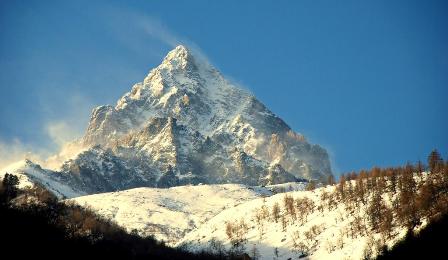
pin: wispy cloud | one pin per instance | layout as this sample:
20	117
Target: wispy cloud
59	131
15	150
63	131
145	33
141	33
156	29
72	122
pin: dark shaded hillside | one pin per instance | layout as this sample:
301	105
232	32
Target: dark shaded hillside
430	243
48	229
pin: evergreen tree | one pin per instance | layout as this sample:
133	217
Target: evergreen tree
341	186
9	188
434	161
330	179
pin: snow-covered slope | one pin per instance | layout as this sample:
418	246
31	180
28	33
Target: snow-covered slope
197	217
169	214
323	234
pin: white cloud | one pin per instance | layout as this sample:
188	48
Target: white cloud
71	121
61	148
15	150
61	132
64	135
66	130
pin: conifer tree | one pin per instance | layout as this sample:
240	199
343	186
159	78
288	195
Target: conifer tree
434	161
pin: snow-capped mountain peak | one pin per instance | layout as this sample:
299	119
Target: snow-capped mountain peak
186	124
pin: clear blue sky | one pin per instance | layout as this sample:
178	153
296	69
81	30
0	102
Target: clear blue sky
366	79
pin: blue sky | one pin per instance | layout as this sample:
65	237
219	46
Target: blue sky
368	80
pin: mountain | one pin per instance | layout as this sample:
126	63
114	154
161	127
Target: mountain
186	124
169	214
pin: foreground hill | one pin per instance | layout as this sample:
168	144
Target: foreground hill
169	214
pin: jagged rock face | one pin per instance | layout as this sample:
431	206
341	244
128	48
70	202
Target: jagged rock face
186	124
97	170
186	120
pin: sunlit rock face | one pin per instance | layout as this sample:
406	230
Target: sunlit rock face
186	124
